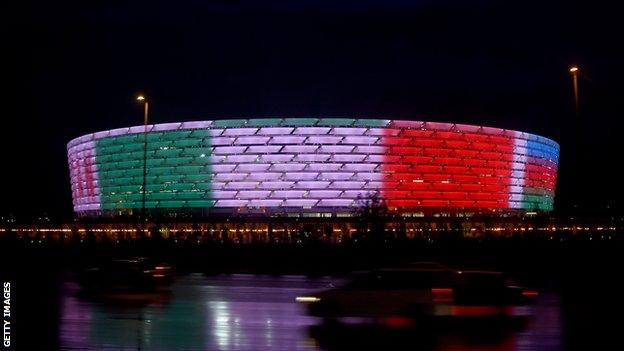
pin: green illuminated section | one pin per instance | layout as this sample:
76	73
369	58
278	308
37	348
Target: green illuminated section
336	122
296	122
177	163
537	199
229	123
538	202
372	122
264	122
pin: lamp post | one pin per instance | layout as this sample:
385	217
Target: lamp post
143	99
574	70
577	146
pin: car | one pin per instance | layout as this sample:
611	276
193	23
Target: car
419	294
382	293
486	293
132	274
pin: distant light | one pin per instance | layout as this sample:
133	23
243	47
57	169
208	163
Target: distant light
574	69
140	98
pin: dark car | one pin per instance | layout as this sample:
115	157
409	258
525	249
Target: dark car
486	293
382	293
421	294
478	287
134	274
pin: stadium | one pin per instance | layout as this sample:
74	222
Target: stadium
312	167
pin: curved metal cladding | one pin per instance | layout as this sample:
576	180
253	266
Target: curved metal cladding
313	165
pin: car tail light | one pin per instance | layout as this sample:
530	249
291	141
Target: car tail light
476	310
442	294
397	322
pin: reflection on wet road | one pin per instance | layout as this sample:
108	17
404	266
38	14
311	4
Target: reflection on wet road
250	312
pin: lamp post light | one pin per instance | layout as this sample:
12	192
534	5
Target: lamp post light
143	99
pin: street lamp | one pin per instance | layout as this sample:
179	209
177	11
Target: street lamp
143	99
574	71
579	160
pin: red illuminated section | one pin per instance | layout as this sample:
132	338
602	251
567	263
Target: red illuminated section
540	173
83	174
446	168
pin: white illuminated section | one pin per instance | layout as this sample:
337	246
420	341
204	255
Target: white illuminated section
312	157
265	203
323	139
240	131
265	177
303	203
324	167
241	185
300	176
254	194
359	140
230	177
332	149
275	131
252	140
220	141
348	131
294	140
347	158
224	194
279	185
359	167
288	194
253	167
312	131
264	149
369	149
322	194
276	158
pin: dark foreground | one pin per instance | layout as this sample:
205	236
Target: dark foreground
256	312
242	298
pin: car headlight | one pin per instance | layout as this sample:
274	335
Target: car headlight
307	299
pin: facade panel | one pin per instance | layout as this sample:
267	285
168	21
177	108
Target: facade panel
308	164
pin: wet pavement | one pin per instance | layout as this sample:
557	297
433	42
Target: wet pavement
258	312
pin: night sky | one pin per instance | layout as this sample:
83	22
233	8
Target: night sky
75	67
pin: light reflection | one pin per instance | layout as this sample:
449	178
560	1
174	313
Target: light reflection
248	312
221	327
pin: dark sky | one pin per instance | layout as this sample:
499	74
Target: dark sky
75	67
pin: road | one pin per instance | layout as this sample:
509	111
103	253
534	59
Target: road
257	312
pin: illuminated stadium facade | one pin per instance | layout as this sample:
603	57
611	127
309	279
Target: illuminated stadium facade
312	167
